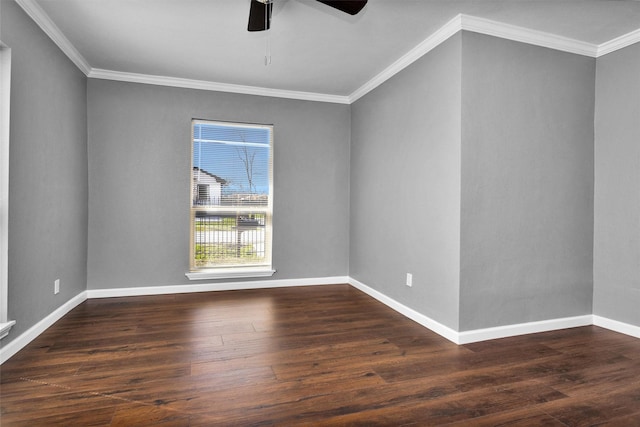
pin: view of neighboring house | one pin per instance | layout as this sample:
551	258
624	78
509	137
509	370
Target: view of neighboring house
207	187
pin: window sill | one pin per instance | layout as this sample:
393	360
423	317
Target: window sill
230	273
5	327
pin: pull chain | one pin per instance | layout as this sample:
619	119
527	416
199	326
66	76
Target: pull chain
267	53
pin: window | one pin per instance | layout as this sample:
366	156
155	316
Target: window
231	200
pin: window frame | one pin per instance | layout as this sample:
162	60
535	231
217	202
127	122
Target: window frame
262	269
5	115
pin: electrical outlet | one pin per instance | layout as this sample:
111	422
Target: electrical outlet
409	279
56	286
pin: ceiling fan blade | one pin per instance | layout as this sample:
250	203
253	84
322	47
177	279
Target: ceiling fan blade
352	7
260	15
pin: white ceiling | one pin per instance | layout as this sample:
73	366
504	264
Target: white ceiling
314	48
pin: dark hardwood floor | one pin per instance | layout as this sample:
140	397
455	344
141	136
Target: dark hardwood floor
324	355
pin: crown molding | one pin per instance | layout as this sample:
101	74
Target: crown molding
213	86
526	35
619	43
41	18
477	25
458	23
430	43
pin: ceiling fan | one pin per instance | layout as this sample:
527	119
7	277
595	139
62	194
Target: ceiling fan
260	12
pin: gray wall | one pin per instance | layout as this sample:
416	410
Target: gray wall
405	185
139	181
471	169
527	183
617	187
48	173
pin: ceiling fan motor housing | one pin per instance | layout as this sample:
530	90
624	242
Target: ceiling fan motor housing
260	15
261	11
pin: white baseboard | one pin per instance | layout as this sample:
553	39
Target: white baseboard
456	337
209	287
614	325
26	337
425	321
476	335
32	333
467	337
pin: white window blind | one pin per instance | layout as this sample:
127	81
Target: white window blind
231	195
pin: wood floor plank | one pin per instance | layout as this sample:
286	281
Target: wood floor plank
144	415
324	355
50	404
92	417
429	412
526	417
